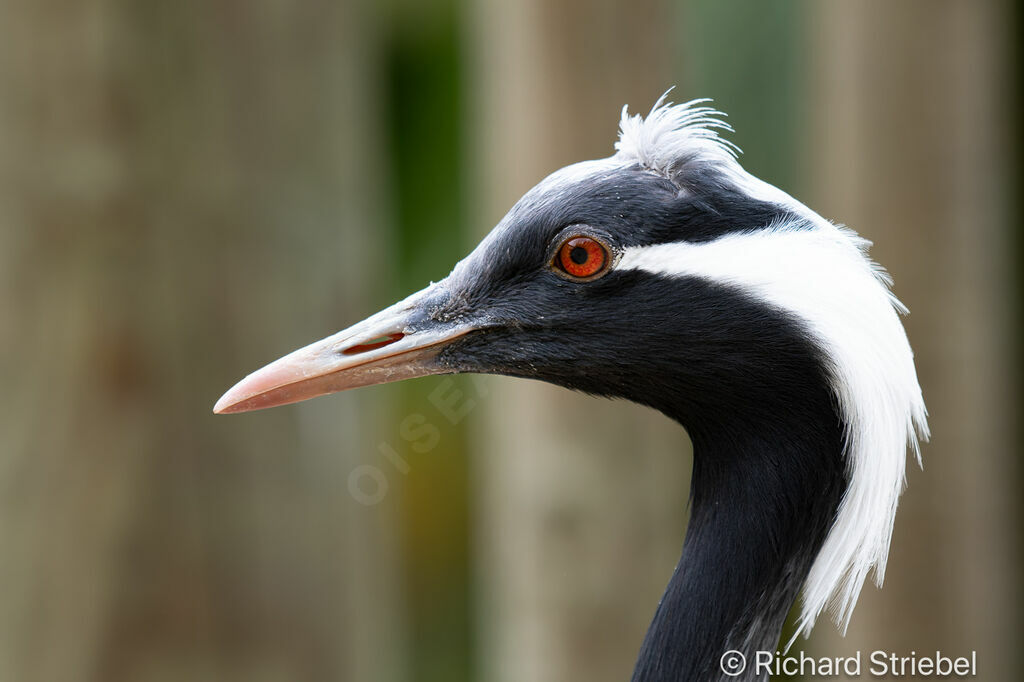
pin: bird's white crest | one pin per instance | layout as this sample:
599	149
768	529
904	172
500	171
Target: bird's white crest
821	274
672	135
675	137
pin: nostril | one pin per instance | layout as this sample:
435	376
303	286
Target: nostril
373	344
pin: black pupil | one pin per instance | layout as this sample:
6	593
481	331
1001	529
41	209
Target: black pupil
579	255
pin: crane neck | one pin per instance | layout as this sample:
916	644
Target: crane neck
765	489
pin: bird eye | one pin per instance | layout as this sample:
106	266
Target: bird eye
582	257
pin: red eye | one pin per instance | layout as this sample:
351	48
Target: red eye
582	257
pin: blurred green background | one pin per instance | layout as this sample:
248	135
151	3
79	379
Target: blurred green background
189	190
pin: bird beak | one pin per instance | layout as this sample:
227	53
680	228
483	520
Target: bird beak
400	342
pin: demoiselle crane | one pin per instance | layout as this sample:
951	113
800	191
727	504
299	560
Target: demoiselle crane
667	275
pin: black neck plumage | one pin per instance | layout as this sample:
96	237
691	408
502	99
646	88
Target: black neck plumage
767	481
768	476
760	512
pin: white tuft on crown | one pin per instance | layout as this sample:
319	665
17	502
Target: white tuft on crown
673	135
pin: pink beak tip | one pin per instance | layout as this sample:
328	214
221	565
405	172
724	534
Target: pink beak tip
225	403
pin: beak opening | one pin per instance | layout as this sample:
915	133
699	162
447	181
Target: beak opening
374	344
400	342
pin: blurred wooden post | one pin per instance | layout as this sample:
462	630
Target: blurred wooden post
579	529
911	122
186	191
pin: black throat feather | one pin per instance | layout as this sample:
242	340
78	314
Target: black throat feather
761	508
768	476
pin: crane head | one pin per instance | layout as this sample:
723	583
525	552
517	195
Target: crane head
667	275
